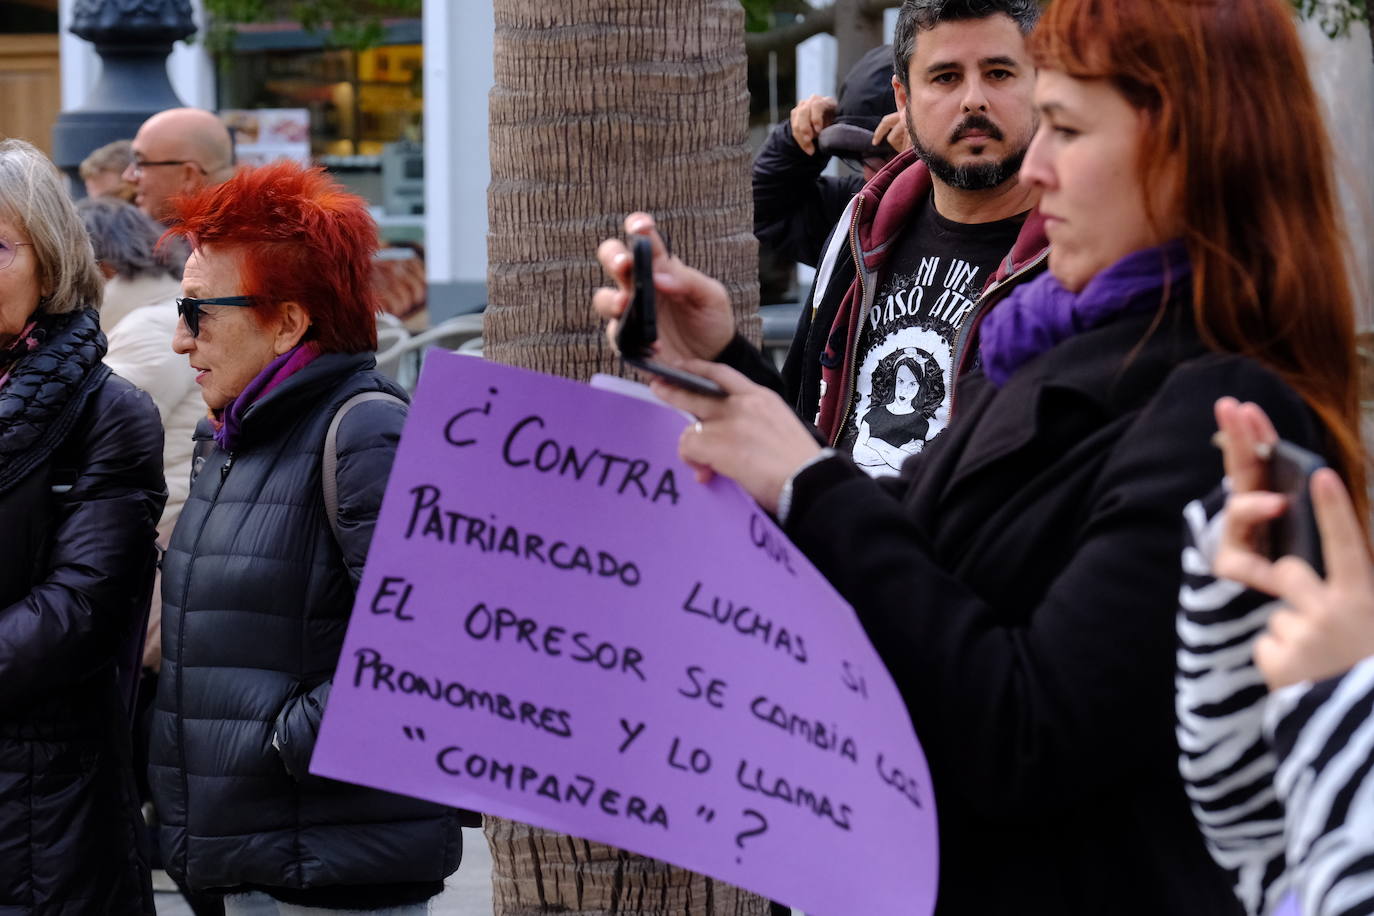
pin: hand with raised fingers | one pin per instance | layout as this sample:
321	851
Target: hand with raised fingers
750	435
1245	436
1327	625
892	129
693	311
812	115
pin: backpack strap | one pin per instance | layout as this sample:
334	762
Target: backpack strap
329	476
202	447
330	483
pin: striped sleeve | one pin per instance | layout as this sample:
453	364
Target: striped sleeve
1225	759
1323	734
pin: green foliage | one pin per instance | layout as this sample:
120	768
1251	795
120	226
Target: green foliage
357	24
222	16
762	15
352	24
1336	17
757	15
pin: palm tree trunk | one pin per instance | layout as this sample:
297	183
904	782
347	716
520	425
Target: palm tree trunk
600	108
537	871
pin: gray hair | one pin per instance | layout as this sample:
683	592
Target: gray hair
34	199
924	15
125	238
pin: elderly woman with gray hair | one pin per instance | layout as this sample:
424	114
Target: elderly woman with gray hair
80	493
138	271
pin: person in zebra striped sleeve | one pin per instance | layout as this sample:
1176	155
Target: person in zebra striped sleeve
1275	695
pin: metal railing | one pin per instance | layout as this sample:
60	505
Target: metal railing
401	354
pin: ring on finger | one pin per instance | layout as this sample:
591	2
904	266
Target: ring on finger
698	428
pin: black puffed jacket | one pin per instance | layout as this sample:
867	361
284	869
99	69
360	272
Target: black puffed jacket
81	491
256	595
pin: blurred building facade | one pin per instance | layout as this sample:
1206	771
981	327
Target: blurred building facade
404	123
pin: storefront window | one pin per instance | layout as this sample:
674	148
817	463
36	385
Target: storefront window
361	111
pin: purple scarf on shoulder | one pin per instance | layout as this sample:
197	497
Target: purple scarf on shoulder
1041	313
277	371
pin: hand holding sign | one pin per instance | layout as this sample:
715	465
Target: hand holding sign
750	436
559	625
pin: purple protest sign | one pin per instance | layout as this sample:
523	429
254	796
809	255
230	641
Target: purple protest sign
1289	906
559	625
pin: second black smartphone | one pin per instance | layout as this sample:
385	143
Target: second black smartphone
1295	532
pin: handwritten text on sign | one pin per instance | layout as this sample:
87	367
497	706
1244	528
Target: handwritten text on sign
559	625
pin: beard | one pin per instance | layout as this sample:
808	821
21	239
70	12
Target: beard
974	176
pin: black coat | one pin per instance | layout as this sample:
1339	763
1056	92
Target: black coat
1020	581
81	491
795	206
256	596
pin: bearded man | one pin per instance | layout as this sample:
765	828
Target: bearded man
930	243
939	233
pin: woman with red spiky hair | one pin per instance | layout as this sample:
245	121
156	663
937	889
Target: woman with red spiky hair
278	321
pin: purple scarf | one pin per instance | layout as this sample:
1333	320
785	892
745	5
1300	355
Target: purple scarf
227	424
1041	313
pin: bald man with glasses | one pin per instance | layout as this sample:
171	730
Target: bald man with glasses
176	152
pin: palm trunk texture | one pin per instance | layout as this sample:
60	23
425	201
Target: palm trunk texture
601	108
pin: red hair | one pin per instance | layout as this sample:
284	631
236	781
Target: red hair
300	238
1231	111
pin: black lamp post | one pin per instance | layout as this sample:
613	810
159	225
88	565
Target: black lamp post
133	39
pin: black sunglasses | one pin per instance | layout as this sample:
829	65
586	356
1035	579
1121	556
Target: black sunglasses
190	309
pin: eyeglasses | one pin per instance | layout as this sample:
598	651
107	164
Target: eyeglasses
8	250
138	165
190	309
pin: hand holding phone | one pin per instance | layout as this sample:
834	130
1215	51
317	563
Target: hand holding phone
639	328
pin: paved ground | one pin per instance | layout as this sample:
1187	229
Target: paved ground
468	892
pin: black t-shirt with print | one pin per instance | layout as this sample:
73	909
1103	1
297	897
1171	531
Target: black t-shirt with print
925	293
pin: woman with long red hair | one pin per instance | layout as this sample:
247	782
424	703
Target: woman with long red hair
1020	578
278	322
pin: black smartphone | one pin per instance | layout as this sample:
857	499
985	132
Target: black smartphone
1295	532
639	328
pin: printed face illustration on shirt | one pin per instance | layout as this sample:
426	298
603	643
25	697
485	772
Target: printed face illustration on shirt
907	390
899	401
907	386
927	290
